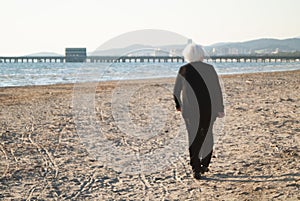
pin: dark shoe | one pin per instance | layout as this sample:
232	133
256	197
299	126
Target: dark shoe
197	175
204	169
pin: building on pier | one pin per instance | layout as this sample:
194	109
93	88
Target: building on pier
76	54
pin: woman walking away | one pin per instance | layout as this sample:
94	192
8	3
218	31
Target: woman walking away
197	94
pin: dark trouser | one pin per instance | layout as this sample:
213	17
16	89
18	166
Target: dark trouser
194	150
200	143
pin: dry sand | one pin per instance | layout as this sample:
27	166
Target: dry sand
42	157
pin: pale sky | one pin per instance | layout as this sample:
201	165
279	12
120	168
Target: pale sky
30	26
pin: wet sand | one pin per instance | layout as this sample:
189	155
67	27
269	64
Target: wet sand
43	157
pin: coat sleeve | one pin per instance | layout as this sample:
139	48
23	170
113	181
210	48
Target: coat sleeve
178	88
218	99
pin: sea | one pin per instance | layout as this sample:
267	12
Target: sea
25	74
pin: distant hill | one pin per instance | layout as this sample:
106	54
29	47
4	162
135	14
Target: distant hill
259	46
118	51
44	54
265	45
136	48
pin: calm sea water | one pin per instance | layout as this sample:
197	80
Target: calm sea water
22	74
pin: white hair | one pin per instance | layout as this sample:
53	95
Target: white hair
193	52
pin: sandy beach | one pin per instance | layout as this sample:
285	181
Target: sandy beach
44	154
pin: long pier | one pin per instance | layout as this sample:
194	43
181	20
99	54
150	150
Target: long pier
121	59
